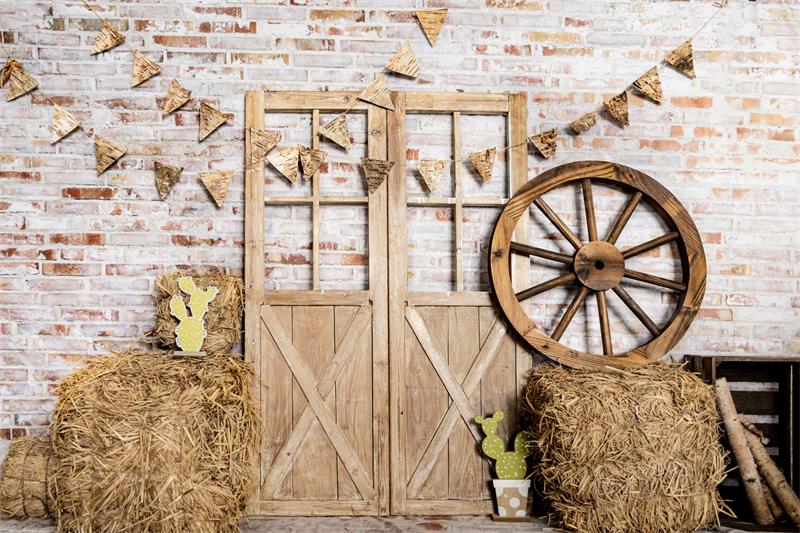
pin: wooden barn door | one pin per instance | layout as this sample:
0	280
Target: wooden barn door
451	357
321	356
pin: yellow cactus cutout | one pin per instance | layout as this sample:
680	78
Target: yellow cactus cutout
508	465
191	330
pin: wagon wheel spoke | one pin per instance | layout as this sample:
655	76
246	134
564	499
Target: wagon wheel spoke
564	279
649	245
569	314
588	205
628	300
605	329
619	225
655	280
524	249
558	223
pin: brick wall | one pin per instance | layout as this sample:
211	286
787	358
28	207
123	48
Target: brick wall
79	253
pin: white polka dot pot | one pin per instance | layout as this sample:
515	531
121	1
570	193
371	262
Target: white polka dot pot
512	497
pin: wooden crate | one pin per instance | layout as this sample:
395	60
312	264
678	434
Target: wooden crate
767	391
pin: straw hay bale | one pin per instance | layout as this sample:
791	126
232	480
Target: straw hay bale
620	451
149	442
27	478
223	319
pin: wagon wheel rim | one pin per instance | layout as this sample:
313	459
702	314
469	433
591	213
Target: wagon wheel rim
597	267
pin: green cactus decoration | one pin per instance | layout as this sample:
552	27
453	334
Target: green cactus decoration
191	331
508	465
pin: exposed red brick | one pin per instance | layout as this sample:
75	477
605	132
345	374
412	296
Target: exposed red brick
71	269
88	193
227	27
699	102
181	41
332	15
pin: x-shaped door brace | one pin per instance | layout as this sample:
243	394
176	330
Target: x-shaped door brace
316	393
459	392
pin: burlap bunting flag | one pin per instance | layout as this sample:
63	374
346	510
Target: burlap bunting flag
261	142
311	160
545	143
143	69
166	178
584	123
376	171
62	124
682	58
106	153
377	93
649	84
19	81
285	161
431	21
431	171
617	107
483	162
107	39
217	184
177	96
336	130
210	119
404	62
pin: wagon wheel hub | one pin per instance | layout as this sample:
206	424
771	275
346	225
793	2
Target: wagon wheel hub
599	265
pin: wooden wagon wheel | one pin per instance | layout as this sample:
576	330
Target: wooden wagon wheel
599	265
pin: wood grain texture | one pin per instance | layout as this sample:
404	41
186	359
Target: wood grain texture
106	153
682	58
404	62
62	124
107	39
210	119
143	69
177	96
431	21
377	92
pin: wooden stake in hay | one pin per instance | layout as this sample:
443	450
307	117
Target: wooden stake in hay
143	69
431	171
285	162
377	93
484	163
620	451
617	107
584	123
106	153
217	184
431	21
177	96
545	143
262	141
222	321
311	160
404	62
210	120
682	58
166	178
62	124
25	487
336	130
149	442
19	82
107	39
376	172
649	84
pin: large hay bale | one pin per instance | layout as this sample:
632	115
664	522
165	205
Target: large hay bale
148	442
620	451
223	319
27	474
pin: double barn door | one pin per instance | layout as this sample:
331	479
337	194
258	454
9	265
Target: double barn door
367	396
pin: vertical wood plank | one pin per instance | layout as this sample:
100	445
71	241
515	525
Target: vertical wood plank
315	215
458	214
254	258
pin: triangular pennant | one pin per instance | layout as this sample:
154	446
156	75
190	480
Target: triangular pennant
261	142
20	82
143	69
617	107
61	124
210	119
106	153
404	62
649	84
336	130
217	184
107	39
431	171
377	93
431	21
375	170
311	160
682	58
483	162
166	177
545	142
285	161
176	97
5	73
584	123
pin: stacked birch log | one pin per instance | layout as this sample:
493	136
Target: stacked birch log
769	493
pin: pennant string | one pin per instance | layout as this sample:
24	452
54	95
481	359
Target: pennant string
103	19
